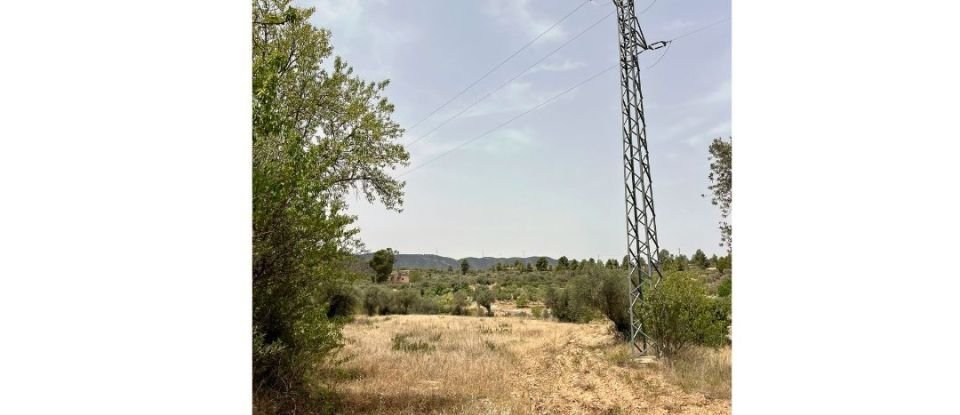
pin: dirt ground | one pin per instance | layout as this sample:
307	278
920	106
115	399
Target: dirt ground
501	365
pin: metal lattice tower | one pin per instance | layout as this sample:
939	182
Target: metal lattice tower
642	245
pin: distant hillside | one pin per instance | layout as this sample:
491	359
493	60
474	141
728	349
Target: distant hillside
429	261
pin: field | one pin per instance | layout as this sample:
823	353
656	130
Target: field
442	364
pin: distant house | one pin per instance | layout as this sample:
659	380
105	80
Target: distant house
400	277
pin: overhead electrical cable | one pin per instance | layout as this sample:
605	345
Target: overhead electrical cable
502	85
497	66
538	106
544	103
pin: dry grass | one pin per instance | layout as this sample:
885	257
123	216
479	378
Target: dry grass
500	365
703	370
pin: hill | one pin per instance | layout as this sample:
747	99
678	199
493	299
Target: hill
430	261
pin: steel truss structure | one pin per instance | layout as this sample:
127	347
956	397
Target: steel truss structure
642	245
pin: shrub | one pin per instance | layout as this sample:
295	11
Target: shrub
537	311
407	301
678	313
574	303
523	299
401	342
725	288
612	299
342	301
460	303
380	301
484	298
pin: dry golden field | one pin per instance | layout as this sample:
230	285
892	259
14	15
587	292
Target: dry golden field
439	364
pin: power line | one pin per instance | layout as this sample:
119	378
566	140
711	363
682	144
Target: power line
497	66
457	115
647	8
702	28
538	106
665	50
542	104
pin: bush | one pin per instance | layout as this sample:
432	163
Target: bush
612	298
401	342
460	303
380	301
342	301
484	298
574	303
678	313
725	288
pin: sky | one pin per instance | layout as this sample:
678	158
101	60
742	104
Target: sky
549	183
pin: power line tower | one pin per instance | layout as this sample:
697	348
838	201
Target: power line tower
642	245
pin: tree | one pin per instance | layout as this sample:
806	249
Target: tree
464	266
449	268
528	268
317	134
724	263
700	259
382	264
563	263
484	298
542	264
626	262
574	264
678	312
721	184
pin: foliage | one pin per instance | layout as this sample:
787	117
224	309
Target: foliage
382	263
542	264
677	313
724	263
401	342
342	299
484	298
612	299
464	266
460	303
725	288
575	302
721	184
563	264
307	125
700	259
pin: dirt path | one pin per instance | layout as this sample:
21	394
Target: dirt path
501	365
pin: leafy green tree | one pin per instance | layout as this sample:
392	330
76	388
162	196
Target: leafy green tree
484	298
574	264
700	259
382	264
542	264
308	129
678	312
563	263
460	303
625	264
721	185
713	260
725	288
464	266
517	265
724	263
608	294
528	268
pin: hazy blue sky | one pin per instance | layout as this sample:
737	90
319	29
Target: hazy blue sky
549	183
